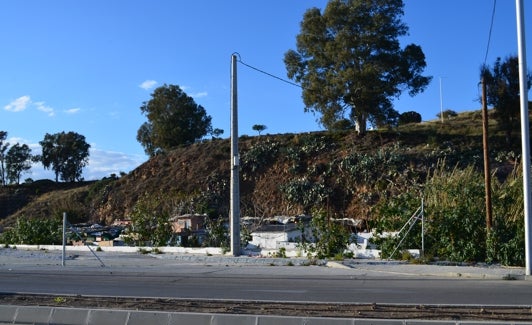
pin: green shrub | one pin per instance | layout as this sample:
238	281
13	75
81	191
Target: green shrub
349	254
217	234
281	253
305	192
330	238
149	222
338	257
406	255
455	211
34	232
506	242
143	251
455	219
258	156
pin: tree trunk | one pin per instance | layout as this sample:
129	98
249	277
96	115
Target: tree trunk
360	124
508	137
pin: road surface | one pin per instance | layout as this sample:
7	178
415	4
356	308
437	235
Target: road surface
269	283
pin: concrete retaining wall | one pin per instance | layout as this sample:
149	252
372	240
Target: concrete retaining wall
207	251
80	316
127	249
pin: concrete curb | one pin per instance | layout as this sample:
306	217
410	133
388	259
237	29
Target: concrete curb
440	271
80	316
464	275
242	260
337	265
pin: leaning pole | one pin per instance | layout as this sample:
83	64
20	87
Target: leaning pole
525	140
235	187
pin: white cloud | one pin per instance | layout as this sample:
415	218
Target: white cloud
14	140
23	102
199	95
148	84
43	108
18	104
72	110
103	163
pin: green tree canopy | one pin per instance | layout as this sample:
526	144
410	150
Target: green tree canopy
18	160
174	119
259	128
66	154
216	133
447	114
349	62
502	92
409	117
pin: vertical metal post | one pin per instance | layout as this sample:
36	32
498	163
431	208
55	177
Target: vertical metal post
525	140
422	227
64	239
235	181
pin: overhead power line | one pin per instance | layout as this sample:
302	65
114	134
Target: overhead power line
267	73
491	28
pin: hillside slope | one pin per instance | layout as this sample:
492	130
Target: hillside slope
285	174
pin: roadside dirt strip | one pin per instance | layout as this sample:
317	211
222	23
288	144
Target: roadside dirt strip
359	311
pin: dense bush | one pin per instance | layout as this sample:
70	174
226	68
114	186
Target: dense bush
330	238
455	207
149	223
507	240
392	215
447	114
34	232
455	222
217	233
409	117
305	193
259	155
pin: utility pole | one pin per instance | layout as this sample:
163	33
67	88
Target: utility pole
487	170
525	140
235	179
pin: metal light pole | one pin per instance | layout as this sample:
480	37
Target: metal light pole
525	141
235	185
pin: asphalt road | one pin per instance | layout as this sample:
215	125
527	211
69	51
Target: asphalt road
216	288
141	276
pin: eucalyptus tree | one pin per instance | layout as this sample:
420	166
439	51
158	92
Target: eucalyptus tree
66	154
350	64
17	161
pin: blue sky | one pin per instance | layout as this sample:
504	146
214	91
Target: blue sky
87	66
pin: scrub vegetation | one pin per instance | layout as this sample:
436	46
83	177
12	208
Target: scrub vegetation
379	179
